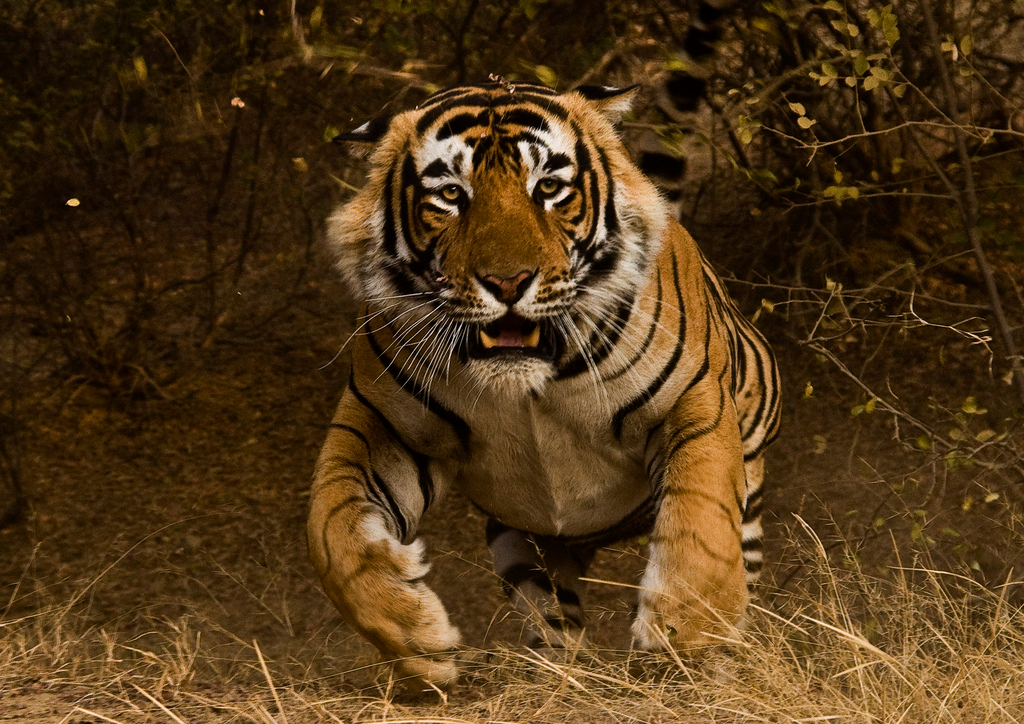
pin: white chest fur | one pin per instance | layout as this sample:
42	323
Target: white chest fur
551	466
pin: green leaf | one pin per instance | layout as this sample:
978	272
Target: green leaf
531	8
841	193
140	68
970	406
805	122
546	75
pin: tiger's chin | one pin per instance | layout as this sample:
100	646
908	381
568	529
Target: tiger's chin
513	356
513	375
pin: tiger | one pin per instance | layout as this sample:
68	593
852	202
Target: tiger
676	103
538	333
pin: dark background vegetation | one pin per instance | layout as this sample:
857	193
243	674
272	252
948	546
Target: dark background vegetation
168	315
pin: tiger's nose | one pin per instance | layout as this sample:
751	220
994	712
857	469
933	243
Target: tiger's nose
508	289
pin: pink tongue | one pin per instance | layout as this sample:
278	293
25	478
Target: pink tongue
510	338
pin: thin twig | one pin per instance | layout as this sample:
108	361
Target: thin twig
966	201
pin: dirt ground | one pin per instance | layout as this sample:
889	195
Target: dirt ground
169	532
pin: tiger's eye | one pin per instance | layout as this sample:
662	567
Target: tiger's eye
549	186
451	192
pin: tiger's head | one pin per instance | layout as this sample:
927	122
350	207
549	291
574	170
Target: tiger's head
499	229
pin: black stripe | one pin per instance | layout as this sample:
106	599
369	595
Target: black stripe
390	232
425	484
486	101
647	340
436	169
568	597
383	489
494	529
685	436
327	522
700	42
662	165
462	122
600	344
754	544
524	117
684	90
447	93
740	374
357	433
402	279
754	505
557	161
406	206
708	14
519	573
459	426
618	325
656	384
546	103
563	622
611	215
639	521
728	512
473	100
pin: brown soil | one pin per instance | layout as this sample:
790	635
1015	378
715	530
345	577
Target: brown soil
173	526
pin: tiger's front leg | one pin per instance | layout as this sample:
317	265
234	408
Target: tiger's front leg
366	501
693	592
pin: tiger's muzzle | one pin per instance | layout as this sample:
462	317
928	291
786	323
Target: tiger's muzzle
515	336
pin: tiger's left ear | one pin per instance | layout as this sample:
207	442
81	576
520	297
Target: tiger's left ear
370	132
611	102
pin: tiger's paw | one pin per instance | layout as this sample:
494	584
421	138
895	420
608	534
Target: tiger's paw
421	674
689	625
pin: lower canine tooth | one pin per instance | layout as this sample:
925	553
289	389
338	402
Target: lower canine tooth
487	340
533	338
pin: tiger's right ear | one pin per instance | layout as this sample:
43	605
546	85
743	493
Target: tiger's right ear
610	101
370	132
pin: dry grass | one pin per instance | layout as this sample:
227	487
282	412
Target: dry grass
920	645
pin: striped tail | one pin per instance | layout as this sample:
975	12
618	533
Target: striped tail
678	99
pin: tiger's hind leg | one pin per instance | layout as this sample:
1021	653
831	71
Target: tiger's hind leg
541	576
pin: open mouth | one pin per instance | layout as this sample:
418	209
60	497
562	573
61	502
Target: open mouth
513	335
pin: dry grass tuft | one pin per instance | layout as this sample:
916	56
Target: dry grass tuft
920	645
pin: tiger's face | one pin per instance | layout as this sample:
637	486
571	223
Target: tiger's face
499	228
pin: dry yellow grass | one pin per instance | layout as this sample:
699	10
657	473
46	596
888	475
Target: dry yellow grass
919	645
